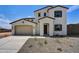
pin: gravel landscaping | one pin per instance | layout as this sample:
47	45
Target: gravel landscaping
51	45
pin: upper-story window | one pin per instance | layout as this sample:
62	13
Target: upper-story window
39	14
57	13
44	14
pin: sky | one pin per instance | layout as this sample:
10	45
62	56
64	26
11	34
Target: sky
10	13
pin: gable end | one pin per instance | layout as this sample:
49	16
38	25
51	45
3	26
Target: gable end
23	19
57	6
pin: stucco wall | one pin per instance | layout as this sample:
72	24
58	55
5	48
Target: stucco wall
36	18
42	13
38	29
61	20
50	22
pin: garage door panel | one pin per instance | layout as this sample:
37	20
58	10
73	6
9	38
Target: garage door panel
24	30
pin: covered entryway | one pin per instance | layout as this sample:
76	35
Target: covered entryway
24	30
46	26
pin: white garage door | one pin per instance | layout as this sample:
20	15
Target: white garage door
24	30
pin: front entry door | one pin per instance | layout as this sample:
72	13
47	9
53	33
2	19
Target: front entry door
45	29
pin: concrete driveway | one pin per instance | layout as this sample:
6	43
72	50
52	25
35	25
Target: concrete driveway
12	44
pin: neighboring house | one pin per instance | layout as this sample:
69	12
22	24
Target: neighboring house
50	20
4	30
73	29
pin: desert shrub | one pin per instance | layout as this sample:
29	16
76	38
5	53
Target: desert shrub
41	44
71	45
58	41
59	49
35	39
45	42
30	46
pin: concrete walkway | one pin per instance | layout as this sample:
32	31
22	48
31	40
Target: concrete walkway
12	44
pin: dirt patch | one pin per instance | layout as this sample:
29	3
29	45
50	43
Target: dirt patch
51	45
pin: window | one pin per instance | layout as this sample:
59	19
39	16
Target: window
58	27
39	14
58	14
44	14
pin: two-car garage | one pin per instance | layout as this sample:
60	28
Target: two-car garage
24	30
23	27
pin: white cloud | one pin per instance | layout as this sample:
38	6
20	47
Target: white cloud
73	8
28	16
4	22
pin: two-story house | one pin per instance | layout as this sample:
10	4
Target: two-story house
49	20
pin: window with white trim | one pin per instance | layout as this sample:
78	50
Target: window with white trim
58	27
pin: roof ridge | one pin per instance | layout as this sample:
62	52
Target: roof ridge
57	6
52	6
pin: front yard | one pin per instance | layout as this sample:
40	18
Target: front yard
51	45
